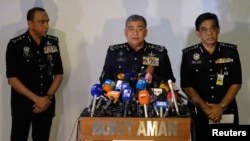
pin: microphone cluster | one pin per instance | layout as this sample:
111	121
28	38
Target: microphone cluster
133	96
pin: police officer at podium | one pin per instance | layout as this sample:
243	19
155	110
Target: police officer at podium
211	77
136	54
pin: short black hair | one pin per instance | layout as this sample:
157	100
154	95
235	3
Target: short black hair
206	16
30	14
136	18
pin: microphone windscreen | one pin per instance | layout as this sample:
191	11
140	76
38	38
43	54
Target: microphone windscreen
144	97
148	77
141	84
164	86
109	82
96	90
129	77
120	76
129	74
150	69
169	95
106	88
113	94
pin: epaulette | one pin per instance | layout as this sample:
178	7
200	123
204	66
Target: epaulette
54	38
155	47
18	38
118	46
228	45
190	48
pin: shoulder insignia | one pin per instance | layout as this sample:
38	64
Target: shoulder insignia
155	47
118	46
232	46
194	47
18	38
54	38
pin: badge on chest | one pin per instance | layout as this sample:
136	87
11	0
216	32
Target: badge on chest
149	60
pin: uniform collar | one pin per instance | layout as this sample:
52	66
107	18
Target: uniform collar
203	50
30	38
144	48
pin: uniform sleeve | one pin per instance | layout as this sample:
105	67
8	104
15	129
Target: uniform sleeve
185	74
107	71
58	68
11	60
236	71
166	71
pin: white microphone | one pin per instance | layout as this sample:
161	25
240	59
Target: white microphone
170	84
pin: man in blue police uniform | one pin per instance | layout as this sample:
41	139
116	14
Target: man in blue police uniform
136	54
34	72
211	77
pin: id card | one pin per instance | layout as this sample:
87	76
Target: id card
219	80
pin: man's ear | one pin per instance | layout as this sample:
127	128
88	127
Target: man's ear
197	33
218	31
125	32
29	23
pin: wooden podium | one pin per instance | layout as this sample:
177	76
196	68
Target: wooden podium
157	129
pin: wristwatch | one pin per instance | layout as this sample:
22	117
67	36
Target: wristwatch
223	106
49	96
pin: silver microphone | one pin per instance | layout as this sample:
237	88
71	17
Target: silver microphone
170	84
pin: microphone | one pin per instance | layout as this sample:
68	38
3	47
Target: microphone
109	82
164	86
149	74
144	99
113	97
170	84
96	90
125	85
127	96
100	101
106	88
153	99
161	102
120	78
140	85
118	85
130	78
129	75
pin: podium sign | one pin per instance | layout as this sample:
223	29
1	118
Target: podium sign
158	129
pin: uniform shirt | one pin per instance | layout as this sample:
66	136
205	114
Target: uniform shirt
211	75
121	58
34	65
